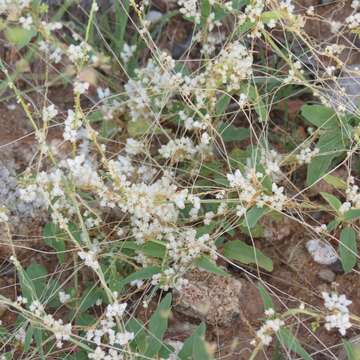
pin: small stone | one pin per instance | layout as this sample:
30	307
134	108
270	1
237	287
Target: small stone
154	16
321	252
326	275
211	298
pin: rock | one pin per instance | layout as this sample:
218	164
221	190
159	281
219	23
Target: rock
154	16
327	275
337	267
210	298
321	252
349	81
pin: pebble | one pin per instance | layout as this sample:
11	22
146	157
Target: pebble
210	298
321	252
327	275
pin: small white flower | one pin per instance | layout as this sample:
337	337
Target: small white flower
63	297
270	312
127	52
3	215
339	316
89	259
49	113
133	147
26	22
81	87
306	155
346	206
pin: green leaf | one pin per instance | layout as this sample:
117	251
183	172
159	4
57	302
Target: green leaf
319	115
266	298
207	264
140	127
238	4
222	104
32	281
232	133
158	324
186	351
18	36
268	16
28	338
332	200
200	350
38	336
143	274
288	340
238	250
3	332
54	237
89	298
137	327
332	225
155	249
352	350
205	11
352	214
348	249
331	144
251	91
85	319
335	181
121	20
252	216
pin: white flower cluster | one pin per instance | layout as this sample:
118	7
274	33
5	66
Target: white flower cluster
77	53
151	204
272	325
353	193
11	6
233	65
49	113
276	200
353	21
127	52
63	297
26	22
169	279
54	53
72	126
133	147
61	331
250	191
306	155
189	8
339	317
178	149
190	123
271	161
90	258
184	247
152	88
109	105
104	334
17	200
80	87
